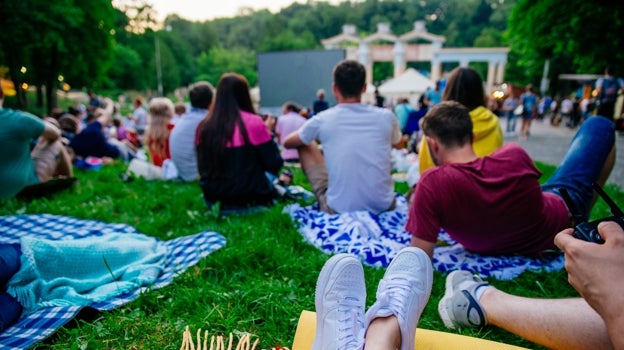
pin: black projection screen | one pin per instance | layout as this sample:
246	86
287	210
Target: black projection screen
295	76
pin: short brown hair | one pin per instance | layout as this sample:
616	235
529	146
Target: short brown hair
179	108
350	77
450	123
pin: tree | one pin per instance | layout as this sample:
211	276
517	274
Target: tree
55	39
218	60
576	36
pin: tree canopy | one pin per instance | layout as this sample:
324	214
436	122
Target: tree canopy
90	44
576	36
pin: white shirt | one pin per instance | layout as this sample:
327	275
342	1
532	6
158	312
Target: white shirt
357	140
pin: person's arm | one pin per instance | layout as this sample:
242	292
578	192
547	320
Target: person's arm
424	245
270	157
596	271
397	136
293	140
106	112
50	132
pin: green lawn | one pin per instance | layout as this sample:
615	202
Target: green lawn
258	283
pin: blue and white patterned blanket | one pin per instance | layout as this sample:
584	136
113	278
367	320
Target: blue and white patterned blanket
182	253
376	239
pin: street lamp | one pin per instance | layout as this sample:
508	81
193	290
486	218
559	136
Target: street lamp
158	63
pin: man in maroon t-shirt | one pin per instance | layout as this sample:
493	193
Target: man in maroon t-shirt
495	205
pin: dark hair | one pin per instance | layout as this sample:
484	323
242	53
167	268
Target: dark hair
465	86
292	106
610	69
68	124
450	123
217	128
201	94
73	111
1	93
350	77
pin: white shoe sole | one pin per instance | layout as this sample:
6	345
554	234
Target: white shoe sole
443	308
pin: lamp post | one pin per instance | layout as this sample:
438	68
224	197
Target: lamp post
158	62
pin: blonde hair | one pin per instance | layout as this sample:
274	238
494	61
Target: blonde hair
157	132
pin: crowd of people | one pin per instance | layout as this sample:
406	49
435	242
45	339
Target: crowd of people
572	109
236	156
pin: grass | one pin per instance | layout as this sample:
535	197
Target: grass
258	283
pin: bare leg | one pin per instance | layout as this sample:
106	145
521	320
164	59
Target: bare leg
554	323
64	167
383	334
51	159
310	155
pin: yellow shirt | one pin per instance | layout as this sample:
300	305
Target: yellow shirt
488	137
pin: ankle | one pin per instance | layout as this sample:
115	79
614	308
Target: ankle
383	333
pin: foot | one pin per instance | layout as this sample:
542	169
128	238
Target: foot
340	299
460	305
404	292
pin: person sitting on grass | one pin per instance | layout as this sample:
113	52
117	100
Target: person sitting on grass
92	141
182	138
157	133
594	321
287	123
494	205
235	150
465	86
19	166
353	172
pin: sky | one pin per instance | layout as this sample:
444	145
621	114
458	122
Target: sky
198	10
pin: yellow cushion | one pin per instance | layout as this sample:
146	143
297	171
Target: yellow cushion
425	339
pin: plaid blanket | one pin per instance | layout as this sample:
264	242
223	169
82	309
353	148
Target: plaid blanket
376	239
182	253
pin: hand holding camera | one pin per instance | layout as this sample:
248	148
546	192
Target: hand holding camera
588	230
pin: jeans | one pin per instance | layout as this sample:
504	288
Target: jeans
511	121
583	163
10	309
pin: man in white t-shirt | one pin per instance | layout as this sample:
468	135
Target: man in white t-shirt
353	172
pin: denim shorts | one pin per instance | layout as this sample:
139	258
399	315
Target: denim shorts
583	163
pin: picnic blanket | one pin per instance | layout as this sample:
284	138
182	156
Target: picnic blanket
376	239
181	253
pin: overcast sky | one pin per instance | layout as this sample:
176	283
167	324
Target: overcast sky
209	9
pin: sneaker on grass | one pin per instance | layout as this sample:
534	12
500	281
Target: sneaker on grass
404	292
459	307
340	299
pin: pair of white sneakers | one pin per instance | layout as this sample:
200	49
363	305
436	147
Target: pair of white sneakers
340	299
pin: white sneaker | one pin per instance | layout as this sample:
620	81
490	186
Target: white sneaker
340	299
404	292
459	307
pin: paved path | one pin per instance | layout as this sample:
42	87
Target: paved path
548	144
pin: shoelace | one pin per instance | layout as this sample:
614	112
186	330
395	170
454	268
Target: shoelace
351	326
394	294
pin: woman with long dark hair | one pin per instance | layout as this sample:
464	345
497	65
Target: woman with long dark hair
464	85
235	150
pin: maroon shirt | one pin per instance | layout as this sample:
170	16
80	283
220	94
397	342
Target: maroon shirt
492	205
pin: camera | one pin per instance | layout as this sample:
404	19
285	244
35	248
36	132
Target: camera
588	230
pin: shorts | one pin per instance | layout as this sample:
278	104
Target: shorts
318	177
583	163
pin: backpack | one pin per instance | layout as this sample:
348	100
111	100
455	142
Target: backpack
609	90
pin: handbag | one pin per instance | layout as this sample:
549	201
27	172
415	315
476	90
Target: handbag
519	110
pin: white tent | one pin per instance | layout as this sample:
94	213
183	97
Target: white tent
408	84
